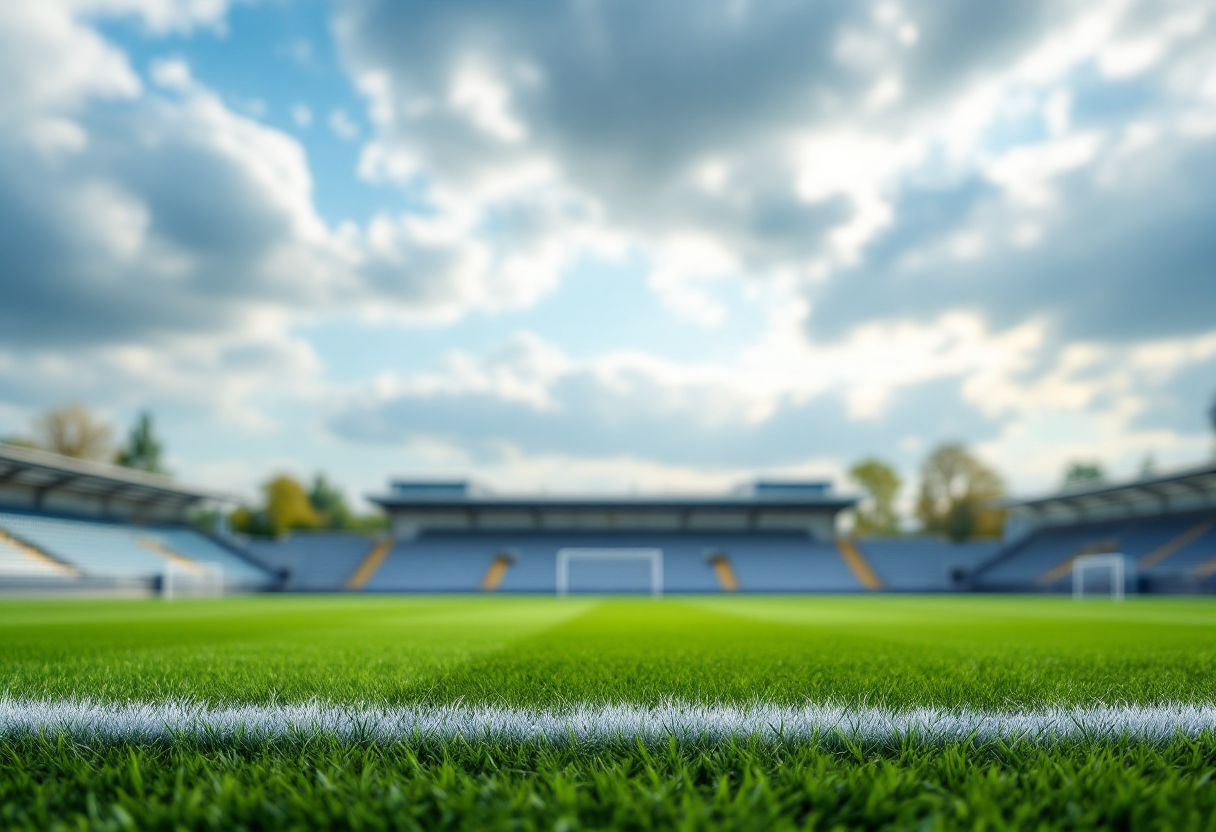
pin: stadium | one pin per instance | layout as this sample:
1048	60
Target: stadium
566	637
607	414
74	527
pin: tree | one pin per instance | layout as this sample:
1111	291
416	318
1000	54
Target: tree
1080	474
329	503
73	430
286	507
143	450
881	483
956	495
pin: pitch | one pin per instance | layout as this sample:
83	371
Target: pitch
390	712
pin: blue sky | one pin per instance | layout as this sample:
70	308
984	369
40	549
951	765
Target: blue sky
604	245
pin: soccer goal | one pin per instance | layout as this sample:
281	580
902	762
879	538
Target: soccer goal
1085	566
567	556
196	580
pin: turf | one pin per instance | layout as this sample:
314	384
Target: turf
993	653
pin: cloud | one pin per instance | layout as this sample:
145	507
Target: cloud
897	159
143	214
972	220
528	399
790	404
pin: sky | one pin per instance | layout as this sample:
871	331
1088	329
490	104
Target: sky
610	245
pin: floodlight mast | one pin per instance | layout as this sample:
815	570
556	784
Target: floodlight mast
1112	561
565	556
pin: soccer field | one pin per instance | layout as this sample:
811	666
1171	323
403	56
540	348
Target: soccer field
390	712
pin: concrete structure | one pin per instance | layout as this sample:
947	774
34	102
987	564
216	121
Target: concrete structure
38	481
1164	524
1177	492
811	508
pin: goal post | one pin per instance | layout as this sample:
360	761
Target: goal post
1113	563
196	580
567	556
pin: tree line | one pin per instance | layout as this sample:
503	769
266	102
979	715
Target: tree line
75	431
287	506
958	496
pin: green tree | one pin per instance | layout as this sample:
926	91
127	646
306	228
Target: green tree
881	483
143	450
73	430
1080	474
285	507
956	495
329	503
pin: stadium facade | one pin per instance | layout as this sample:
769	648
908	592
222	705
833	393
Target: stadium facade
71	526
1163	525
764	536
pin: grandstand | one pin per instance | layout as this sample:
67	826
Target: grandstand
69	526
1165	525
461	537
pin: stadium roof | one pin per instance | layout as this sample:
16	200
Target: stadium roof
1181	489
463	493
43	473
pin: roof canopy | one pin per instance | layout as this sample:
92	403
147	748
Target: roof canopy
1182	490
40	475
463	493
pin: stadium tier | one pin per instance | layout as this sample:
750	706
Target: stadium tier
462	562
923	564
691	563
1177	549
73	547
313	561
21	562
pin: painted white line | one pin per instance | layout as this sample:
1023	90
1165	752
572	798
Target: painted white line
143	721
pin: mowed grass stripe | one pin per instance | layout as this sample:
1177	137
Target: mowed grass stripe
136	722
987	654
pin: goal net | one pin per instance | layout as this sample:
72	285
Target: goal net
195	580
1098	575
567	556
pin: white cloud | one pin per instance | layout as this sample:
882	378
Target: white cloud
980	215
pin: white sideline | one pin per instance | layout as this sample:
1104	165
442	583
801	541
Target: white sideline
143	721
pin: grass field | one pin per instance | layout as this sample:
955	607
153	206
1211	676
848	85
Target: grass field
541	656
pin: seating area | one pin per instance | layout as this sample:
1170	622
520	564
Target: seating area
1179	546
922	564
18	562
763	562
313	561
99	549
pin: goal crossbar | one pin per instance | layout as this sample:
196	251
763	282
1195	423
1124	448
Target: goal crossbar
1112	561
566	556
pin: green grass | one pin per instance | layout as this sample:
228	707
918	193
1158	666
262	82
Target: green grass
896	651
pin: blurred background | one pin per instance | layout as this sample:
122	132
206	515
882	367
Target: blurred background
610	247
